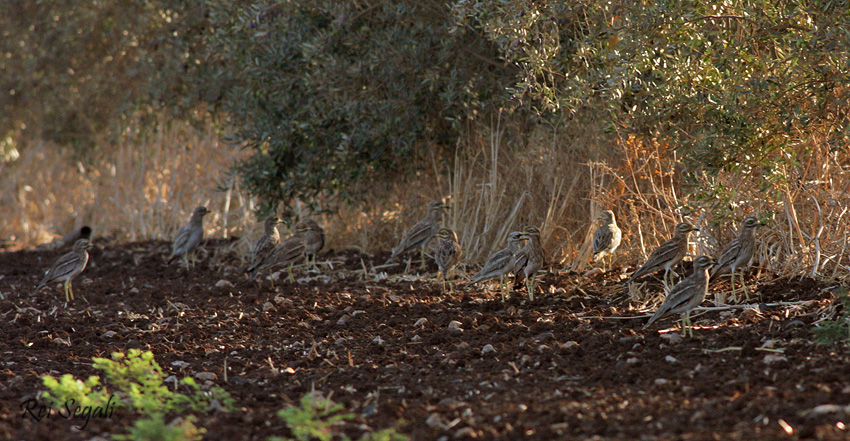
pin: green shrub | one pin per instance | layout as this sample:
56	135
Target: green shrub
838	329
316	417
154	428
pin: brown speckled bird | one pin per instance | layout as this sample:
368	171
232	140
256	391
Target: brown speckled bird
189	236
500	263
67	267
528	260
686	295
421	233
448	254
285	254
606	238
315	239
738	253
667	255
266	243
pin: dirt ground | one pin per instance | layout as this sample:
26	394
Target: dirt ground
573	364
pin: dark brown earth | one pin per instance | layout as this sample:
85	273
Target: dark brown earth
558	369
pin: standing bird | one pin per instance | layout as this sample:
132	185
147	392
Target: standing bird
421	234
67	267
189	236
606	238
266	243
285	254
686	295
500	263
738	253
528	260
448	254
315	239
667	255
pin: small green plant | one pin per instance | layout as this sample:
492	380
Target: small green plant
316	417
154	428
137	381
837	329
69	390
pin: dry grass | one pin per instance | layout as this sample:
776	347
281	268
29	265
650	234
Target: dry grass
136	191
501	180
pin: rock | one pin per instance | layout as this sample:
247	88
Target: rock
108	334
569	345
673	338
487	349
670	359
343	320
181	364
660	381
378	340
134	290
454	325
206	376
223	284
267	306
421	322
632	360
773	358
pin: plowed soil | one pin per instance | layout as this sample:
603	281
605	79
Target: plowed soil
576	363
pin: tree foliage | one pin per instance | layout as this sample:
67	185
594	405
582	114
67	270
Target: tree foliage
329	95
735	84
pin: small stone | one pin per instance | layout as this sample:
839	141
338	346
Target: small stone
670	359
773	358
207	376
454	325
421	322
660	381
339	341
180	363
416	338
569	345
223	284
487	349
60	341
343	320
134	290
378	340
108	334
267	306
546	336
673	338
632	360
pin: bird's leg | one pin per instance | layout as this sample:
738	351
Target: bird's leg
502	288
67	296
744	287
422	256
667	283
529	286
291	277
732	282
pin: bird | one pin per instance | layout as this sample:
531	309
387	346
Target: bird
607	237
266	243
667	255
67	267
448	254
528	259
315	237
420	234
189	236
285	253
500	263
738	252
686	295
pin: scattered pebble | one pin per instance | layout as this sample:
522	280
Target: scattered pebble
207	376
108	334
421	322
180	364
416	338
632	360
378	340
671	359
267	306
134	290
343	320
223	284
673	338
487	349
773	358
454	325
660	381
569	345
